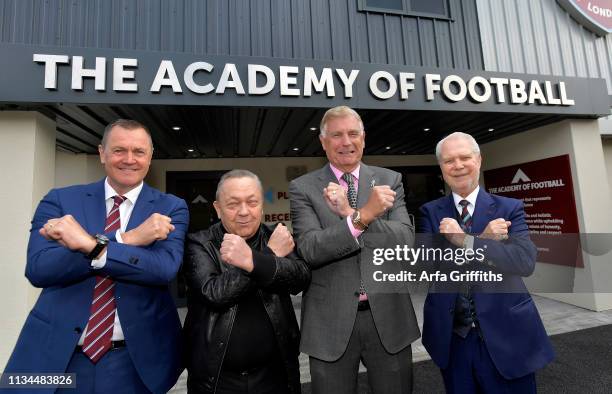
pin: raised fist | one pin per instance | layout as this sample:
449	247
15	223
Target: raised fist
281	241
155	228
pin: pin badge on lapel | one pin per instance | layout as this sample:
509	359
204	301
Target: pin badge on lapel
372	183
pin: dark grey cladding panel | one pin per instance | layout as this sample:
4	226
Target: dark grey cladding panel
322	40
298	29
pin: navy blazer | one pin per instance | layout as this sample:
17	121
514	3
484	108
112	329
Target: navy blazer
510	323
146	310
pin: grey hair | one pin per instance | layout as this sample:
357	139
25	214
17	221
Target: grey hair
128	124
457	135
338	112
238	173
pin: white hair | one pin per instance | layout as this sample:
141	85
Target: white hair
339	112
457	135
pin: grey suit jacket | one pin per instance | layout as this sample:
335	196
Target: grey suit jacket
324	240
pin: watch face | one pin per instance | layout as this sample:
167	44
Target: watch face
101	238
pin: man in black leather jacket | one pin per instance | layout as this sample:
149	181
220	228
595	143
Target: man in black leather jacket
241	331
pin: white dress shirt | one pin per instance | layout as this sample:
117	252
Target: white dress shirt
125	211
471	199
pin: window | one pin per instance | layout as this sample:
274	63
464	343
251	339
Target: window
425	8
392	5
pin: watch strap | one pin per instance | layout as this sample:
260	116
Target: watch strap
356	220
101	242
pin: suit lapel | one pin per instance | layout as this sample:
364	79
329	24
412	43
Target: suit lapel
446	209
95	208
143	208
366	176
326	175
484	211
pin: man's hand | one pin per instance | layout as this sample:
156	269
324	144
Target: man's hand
497	230
452	231
337	200
69	233
281	241
236	252
381	198
155	228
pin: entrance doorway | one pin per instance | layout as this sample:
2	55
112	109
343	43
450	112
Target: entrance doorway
421	184
198	189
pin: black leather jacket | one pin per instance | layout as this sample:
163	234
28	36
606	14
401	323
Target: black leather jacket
215	289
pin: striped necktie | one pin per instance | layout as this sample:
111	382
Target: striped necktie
465	220
102	312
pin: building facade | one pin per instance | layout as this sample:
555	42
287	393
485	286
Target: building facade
244	83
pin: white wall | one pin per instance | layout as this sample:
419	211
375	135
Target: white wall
582	141
607	150
72	169
27	157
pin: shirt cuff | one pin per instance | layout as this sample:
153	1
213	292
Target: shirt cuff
264	267
468	242
99	263
354	231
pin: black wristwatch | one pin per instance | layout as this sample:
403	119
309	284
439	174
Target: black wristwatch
101	242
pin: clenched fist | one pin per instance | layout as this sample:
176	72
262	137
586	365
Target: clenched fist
497	229
452	231
337	200
69	233
236	252
155	228
381	198
281	241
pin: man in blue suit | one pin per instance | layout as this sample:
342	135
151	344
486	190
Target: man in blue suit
104	254
493	339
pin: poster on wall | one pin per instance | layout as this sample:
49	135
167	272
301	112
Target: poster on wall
546	189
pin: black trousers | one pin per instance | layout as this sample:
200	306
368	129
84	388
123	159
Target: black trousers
269	379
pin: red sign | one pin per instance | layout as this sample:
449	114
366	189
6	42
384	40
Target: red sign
546	189
595	15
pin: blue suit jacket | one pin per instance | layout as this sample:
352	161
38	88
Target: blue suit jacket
146	310
510	323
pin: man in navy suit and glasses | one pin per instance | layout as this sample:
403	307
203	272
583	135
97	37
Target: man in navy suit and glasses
493	339
104	254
